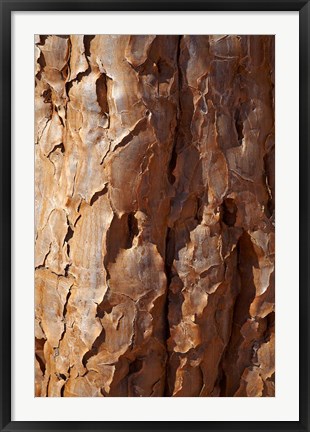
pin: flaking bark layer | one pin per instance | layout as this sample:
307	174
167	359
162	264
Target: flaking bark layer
154	212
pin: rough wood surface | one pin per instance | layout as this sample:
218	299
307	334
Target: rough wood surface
154	212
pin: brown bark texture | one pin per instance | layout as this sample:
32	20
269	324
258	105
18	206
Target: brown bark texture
154	213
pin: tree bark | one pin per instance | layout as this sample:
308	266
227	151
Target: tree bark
154	212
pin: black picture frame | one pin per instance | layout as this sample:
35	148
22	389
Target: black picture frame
7	7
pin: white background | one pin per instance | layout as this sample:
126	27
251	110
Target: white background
285	405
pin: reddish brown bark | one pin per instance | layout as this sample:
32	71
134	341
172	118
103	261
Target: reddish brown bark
154	215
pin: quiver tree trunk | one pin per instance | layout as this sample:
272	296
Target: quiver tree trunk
154	189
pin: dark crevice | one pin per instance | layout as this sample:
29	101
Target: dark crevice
247	259
95	348
101	91
140	126
223	377
64	314
61	121
228	212
165	71
42	39
170	253
47	95
61	376
43	265
69	234
136	365
80	75
169	258
120	235
170	234
269	160
173	160
87	40
39	350
222	382
265	389
58	146
78	78
199	211
133	229
270	323
105	307
65	71
174	153
114	240
67	270
67	239
41	61
78	218
97	195
48	384
270	320
239	125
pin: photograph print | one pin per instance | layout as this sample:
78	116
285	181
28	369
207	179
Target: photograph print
154	215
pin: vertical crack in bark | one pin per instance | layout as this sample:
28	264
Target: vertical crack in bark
64	315
233	369
95	348
169	256
39	350
169	241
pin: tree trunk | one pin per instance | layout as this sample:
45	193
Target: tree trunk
154	187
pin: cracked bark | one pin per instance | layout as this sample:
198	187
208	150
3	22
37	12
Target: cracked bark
154	213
